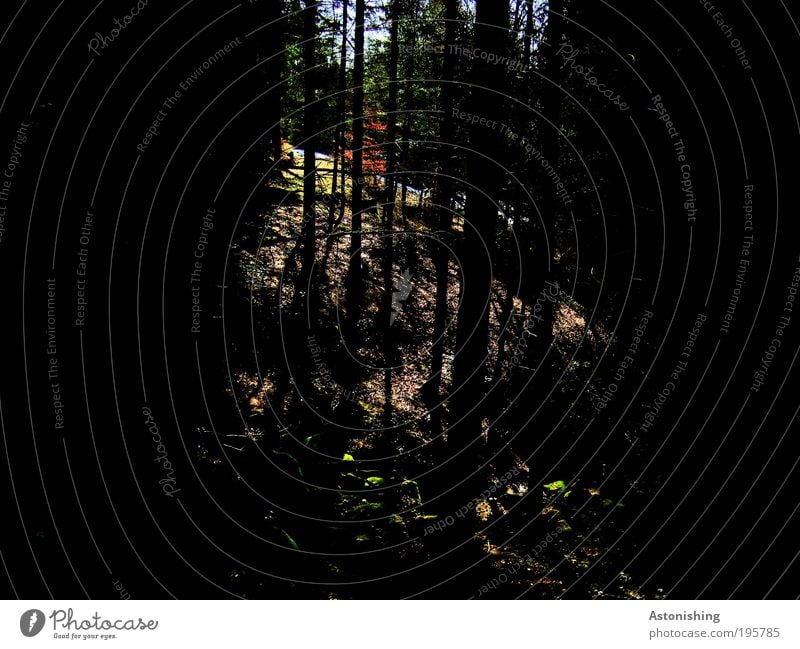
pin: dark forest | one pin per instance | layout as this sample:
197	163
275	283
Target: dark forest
363	299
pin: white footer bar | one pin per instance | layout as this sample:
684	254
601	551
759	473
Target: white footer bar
398	625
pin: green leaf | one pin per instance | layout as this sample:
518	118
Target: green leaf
348	458
292	542
375	481
558	485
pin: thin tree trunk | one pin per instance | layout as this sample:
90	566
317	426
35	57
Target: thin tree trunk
307	239
388	211
522	117
354	274
339	146
443	220
551	107
275	38
412	12
310	128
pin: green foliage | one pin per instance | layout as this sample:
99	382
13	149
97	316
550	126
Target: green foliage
291	541
367	506
417	494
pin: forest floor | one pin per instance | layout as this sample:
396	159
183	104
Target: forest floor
542	540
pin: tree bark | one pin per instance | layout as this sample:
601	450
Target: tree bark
275	70
444	219
310	128
388	210
477	246
354	274
339	146
550	136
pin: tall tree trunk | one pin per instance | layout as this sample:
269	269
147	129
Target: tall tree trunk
408	104
551	108
339	146
444	218
477	249
306	244
275	72
310	128
388	212
515	276
354	275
